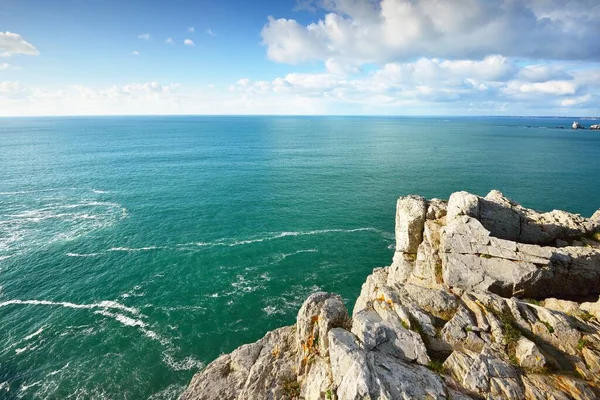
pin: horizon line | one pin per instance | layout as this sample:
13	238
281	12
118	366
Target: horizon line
301	115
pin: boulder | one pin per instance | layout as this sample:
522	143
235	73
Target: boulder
529	355
410	219
576	125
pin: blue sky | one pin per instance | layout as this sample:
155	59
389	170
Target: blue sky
399	57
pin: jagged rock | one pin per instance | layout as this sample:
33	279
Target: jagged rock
556	388
566	306
576	125
592	308
528	355
256	371
463	203
595	127
485	374
389	338
410	218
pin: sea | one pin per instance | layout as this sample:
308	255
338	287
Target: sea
135	250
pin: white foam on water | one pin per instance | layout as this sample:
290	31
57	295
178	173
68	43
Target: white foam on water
34	334
99	191
284	256
184	365
35	191
26	348
4	257
58	371
25	387
5	385
131	250
171	392
123	319
82	255
30	228
274	236
103	304
272	310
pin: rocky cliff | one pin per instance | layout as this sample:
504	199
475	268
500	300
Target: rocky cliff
484	299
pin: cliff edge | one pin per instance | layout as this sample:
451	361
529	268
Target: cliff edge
484	299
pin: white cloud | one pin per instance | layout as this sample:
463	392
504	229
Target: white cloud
191	29
210	32
557	88
358	32
576	101
188	42
4	66
144	36
494	85
135	53
542	73
13	43
170	41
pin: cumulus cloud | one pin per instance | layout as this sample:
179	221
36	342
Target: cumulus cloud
188	42
13	43
358	32
144	36
4	66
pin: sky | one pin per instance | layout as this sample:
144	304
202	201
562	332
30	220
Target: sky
300	57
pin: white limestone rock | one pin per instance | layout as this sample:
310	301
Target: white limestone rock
410	219
529	355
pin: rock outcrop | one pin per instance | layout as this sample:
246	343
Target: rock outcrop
576	125
478	303
595	127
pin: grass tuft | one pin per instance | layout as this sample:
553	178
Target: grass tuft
291	388
437	367
582	343
548	326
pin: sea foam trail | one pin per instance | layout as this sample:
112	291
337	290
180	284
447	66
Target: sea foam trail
34	334
280	235
82	255
106	304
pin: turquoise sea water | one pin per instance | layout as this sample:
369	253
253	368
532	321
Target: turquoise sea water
134	250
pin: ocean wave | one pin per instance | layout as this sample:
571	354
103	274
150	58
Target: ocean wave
123	319
25	227
229	242
272	310
284	256
171	392
82	255
184	365
106	304
27	348
133	250
58	371
34	334
25	387
17	192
